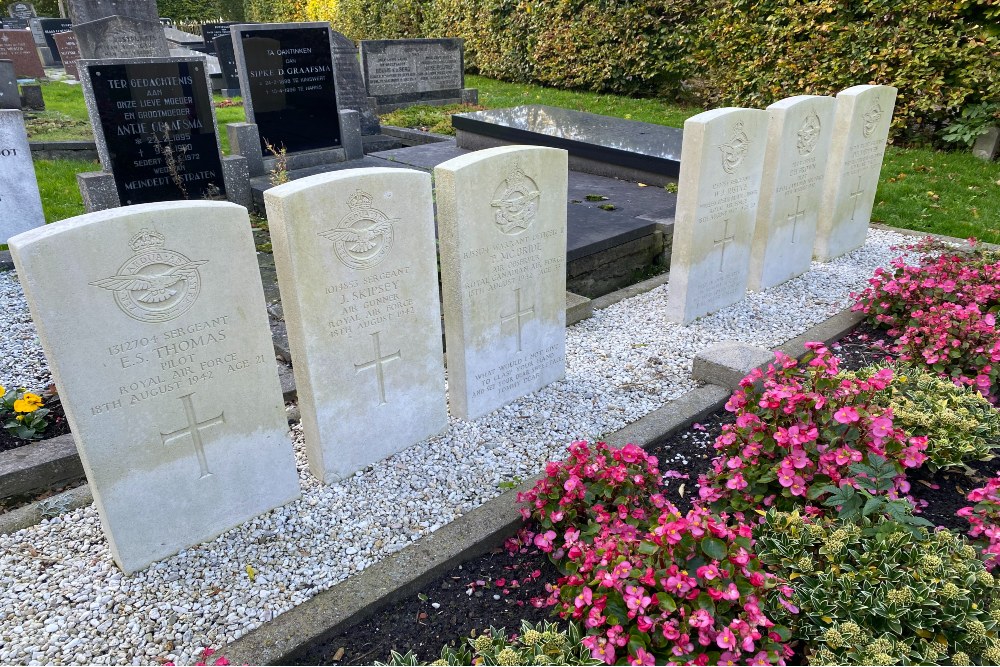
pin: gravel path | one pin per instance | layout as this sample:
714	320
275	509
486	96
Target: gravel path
62	600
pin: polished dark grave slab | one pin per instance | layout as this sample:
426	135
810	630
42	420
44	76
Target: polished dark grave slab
604	246
597	144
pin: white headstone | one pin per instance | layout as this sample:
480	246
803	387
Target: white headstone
860	132
357	269
20	203
502	230
153	321
798	142
721	165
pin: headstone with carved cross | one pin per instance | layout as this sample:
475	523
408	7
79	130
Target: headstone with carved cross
860	131
158	340
502	230
357	268
721	166
798	142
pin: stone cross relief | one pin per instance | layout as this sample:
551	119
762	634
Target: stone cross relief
726	239
795	217
377	364
516	315
194	429
855	195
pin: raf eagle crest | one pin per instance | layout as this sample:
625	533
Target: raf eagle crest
363	238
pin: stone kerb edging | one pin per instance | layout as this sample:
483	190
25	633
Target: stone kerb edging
404	572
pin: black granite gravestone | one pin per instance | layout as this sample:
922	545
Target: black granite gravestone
350	84
288	84
13	24
49	28
209	31
156	130
21	10
227	63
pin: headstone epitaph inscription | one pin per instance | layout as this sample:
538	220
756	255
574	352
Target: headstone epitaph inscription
159	345
84	11
226	54
721	168
798	142
20	203
13	24
209	31
154	124
357	264
121	37
861	129
21	10
69	52
18	47
502	230
286	77
49	28
410	71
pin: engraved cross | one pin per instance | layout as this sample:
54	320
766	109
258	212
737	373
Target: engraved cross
193	429
377	363
726	239
795	217
854	195
516	315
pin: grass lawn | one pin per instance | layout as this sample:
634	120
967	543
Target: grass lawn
950	193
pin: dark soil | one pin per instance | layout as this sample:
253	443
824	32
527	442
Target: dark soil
57	426
415	624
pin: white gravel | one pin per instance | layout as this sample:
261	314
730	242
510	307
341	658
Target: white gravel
63	601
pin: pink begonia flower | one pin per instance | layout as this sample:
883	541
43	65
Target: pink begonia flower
642	657
585	598
544	541
786	477
881	427
846	415
726	639
701	619
798	487
729	658
737	482
571	483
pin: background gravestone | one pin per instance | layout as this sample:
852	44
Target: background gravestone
49	28
13	24
286	77
18	47
21	10
209	31
860	130
10	95
350	83
721	167
84	11
154	125
69	52
798	143
399	72
502	230
20	204
158	341
121	37
357	266
227	63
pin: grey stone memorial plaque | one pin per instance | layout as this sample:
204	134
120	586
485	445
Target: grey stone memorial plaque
121	37
413	71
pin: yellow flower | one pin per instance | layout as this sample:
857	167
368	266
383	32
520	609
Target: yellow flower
3	390
28	402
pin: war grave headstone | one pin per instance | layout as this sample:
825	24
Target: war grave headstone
721	168
798	141
227	63
19	47
160	348
286	76
154	125
121	37
357	266
400	72
20	203
860	131
502	235
21	10
350	83
84	11
48	29
209	31
13	24
10	95
69	52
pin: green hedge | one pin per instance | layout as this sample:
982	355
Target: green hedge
941	54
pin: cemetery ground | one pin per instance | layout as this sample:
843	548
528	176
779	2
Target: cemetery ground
937	192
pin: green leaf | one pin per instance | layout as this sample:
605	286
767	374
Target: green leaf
714	548
648	548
